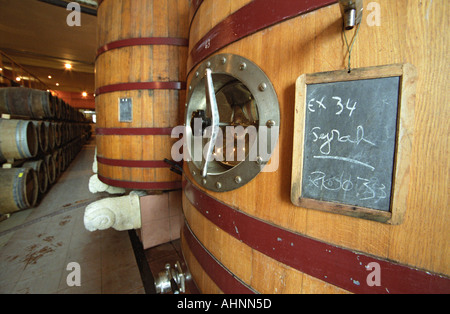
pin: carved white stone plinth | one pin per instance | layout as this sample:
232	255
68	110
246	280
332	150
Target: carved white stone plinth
120	213
96	186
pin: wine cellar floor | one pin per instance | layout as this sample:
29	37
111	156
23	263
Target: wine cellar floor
37	245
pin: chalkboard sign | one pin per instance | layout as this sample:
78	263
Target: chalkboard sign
348	146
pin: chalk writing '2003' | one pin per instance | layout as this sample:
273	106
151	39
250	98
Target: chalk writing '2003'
365	189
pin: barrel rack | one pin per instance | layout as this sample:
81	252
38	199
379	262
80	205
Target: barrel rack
40	135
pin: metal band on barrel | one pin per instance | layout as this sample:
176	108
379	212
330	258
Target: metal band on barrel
169	185
222	277
133	131
139	85
144	41
133	163
251	18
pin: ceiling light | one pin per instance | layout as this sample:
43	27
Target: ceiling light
68	66
57	84
49	76
84	94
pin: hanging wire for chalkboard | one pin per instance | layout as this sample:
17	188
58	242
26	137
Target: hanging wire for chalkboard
349	48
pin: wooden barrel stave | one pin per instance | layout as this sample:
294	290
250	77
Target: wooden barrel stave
267	197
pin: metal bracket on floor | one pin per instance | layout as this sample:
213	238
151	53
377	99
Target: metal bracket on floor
172	279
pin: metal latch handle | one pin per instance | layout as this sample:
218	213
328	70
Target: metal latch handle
211	102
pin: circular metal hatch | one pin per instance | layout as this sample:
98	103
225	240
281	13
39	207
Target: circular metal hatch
232	122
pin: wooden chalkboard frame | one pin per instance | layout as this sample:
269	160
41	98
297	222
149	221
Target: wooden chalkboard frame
404	138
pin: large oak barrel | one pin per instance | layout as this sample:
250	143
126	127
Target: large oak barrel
140	84
58	164
58	108
62	159
19	189
42	133
51	141
57	133
51	168
63	110
43	104
18	139
252	238
27	102
40	167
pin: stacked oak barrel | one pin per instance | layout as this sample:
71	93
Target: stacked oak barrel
40	135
